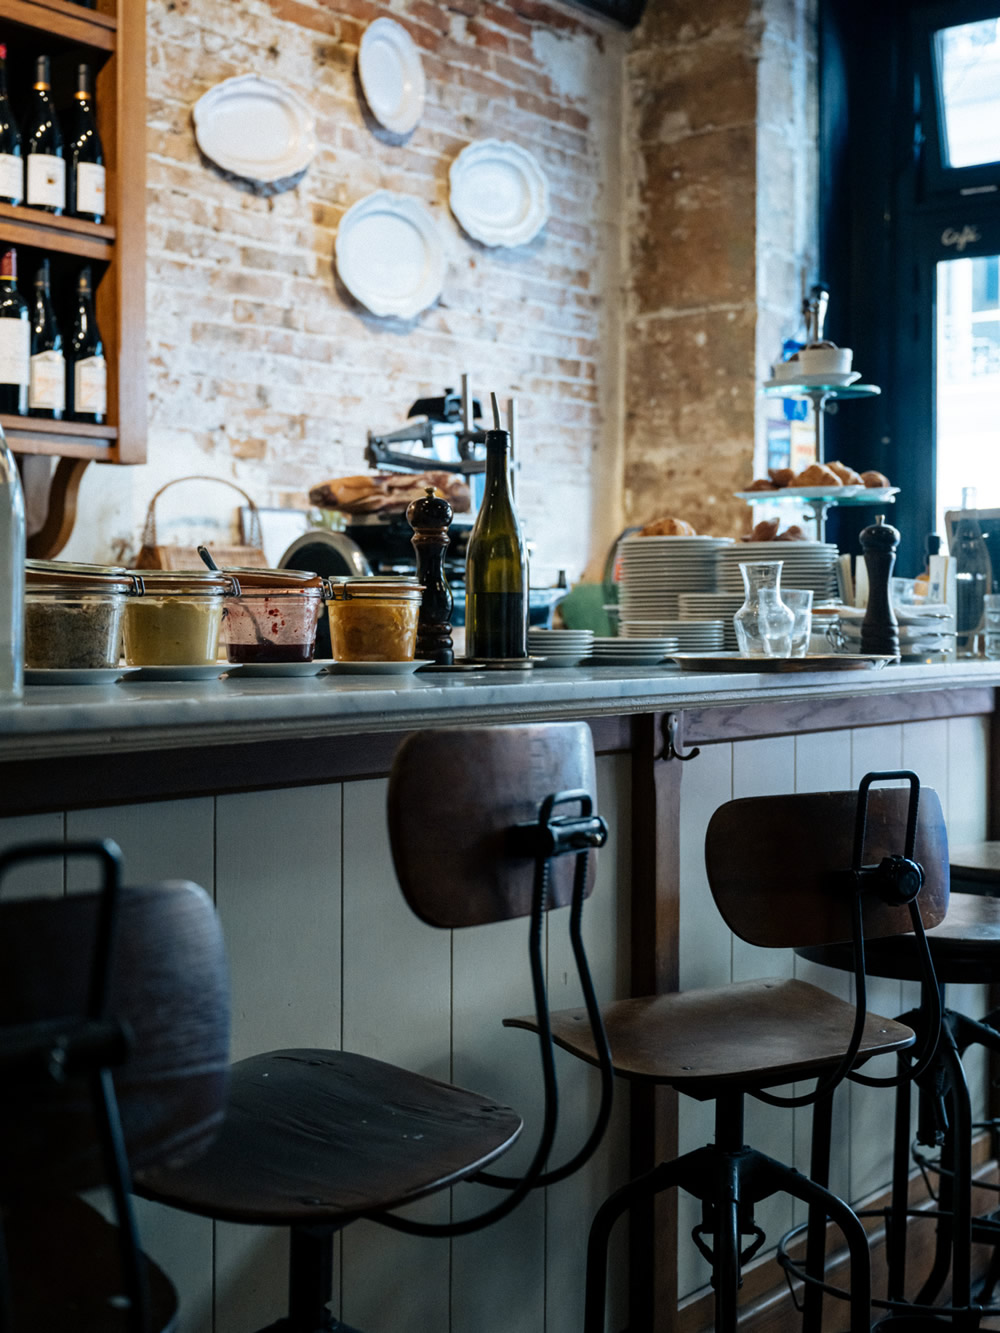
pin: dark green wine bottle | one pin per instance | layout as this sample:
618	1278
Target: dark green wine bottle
496	567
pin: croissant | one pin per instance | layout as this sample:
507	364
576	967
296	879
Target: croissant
765	531
668	527
762	484
817	475
781	476
873	479
846	474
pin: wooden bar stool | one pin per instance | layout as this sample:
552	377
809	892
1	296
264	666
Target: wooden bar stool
780	871
315	1139
131	981
975	868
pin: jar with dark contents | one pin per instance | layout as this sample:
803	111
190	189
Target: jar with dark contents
374	619
275	616
73	614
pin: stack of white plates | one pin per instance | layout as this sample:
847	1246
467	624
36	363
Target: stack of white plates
714	606
560	647
803	565
921	633
693	636
656	570
633	652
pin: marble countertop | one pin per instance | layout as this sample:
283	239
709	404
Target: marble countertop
53	720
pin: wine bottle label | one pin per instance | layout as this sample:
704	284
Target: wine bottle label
15	349
90	188
47	387
90	385
11	178
46	180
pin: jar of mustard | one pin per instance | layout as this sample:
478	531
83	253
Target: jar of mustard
274	617
73	614
374	619
177	620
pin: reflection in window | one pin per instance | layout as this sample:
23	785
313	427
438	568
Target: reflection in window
968	65
968	381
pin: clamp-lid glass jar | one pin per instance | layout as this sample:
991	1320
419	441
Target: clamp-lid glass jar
176	622
274	618
73	614
374	619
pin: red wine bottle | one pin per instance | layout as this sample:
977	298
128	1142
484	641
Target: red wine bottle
11	161
45	169
15	339
84	153
87	379
47	384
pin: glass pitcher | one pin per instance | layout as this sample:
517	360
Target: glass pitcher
764	624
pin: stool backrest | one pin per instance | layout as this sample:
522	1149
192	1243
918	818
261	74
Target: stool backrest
168	985
775	864
455	795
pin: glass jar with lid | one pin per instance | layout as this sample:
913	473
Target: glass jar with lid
274	617
73	614
177	620
374	619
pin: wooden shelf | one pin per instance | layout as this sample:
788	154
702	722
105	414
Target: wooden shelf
68	439
20	225
60	18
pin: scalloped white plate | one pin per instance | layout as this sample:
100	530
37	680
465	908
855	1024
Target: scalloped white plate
255	128
390	256
392	76
499	193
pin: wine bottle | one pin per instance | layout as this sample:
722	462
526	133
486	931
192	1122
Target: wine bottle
973	575
15	339
12	552
45	174
496	568
47	382
84	153
87	380
11	161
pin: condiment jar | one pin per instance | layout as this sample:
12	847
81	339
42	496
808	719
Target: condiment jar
177	620
374	619
73	614
274	617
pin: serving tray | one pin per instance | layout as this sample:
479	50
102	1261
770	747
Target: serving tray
811	662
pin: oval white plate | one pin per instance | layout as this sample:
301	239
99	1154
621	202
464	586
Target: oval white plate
376	668
389	254
833	379
192	672
499	193
277	669
255	128
391	75
75	675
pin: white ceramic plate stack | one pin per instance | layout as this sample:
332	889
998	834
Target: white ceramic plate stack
804	565
560	647
693	636
632	652
713	606
656	570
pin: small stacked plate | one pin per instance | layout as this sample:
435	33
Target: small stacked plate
722	606
656	570
804	565
693	636
633	652
560	647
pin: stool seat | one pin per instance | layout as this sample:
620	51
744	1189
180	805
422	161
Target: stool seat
323	1137
965	946
754	1034
976	863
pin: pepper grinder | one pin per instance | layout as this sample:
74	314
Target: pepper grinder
430	517
880	629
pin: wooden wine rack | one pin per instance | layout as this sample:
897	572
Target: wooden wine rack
113	38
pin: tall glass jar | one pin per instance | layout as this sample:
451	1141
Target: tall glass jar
764	624
73	614
12	548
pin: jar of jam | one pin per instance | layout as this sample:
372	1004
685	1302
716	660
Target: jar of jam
374	619
73	613
178	619
274	618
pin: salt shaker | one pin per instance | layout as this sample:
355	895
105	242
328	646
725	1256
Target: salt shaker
430	518
880	629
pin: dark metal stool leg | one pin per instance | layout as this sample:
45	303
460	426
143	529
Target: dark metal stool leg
895	1240
819	1171
726	1247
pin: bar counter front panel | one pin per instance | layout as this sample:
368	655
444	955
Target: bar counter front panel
274	800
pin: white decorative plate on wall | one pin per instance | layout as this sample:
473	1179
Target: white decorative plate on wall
390	256
499	193
255	128
391	75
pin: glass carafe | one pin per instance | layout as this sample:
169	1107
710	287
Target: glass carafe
763	623
973	575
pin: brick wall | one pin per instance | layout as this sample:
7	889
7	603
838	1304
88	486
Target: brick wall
263	369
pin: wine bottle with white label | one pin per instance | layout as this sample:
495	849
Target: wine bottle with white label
87	381
84	153
47	384
45	166
15	339
11	161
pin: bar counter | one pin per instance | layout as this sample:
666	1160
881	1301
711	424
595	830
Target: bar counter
272	795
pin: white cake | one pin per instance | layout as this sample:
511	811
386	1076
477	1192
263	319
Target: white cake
816	359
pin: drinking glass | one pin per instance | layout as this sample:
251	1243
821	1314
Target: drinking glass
800	601
991	626
763	623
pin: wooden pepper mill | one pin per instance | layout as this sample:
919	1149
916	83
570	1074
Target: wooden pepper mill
430	517
880	629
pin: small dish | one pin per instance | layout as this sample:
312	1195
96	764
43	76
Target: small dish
278	669
182	672
832	380
255	128
75	675
376	668
392	76
390	256
800	493
498	193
